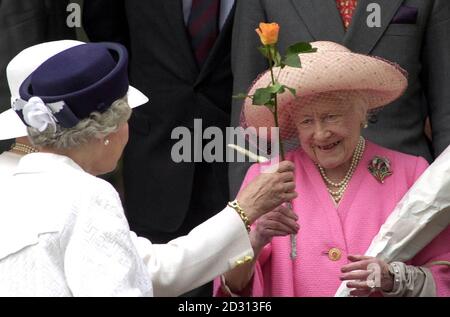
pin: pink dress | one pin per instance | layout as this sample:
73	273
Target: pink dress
350	227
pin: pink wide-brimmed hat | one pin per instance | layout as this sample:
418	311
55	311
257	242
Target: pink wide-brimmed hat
333	69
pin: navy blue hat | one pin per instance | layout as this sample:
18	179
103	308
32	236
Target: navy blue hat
79	81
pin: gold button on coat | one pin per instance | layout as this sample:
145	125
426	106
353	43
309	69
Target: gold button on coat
334	254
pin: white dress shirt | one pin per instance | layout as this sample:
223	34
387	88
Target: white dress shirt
63	233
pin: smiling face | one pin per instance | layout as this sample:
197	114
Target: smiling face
329	127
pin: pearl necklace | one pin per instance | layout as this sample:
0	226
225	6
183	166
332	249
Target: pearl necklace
23	148
342	185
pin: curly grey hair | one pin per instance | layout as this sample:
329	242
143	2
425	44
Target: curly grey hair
96	126
356	101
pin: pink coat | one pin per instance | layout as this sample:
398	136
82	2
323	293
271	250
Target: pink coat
350	227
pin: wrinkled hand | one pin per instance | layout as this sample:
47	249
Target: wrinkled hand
280	222
268	191
367	274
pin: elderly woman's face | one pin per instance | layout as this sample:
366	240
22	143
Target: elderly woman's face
329	130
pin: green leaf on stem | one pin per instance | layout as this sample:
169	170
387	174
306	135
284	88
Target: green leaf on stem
293	60
262	96
292	90
271	105
277	59
264	50
301	47
277	88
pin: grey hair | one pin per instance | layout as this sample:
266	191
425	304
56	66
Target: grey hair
96	126
359	101
361	104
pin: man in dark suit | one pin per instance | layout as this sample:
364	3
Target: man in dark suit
24	23
184	81
413	33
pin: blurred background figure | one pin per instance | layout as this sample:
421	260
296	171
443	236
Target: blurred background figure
180	58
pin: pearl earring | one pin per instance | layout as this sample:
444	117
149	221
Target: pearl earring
364	125
106	143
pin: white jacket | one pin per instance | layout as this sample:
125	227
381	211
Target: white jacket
63	233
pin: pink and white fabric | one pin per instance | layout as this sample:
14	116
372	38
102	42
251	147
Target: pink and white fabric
350	227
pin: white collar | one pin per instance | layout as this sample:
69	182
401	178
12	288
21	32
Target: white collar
45	162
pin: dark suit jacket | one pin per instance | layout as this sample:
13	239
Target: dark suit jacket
24	23
157	190
420	45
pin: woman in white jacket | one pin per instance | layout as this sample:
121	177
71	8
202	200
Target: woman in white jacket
63	230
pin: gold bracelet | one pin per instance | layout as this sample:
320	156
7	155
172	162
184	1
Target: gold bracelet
235	205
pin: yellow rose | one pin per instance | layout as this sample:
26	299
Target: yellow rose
268	33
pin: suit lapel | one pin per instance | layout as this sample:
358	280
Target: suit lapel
175	18
321	18
360	37
221	46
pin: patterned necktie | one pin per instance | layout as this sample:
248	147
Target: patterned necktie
346	9
203	27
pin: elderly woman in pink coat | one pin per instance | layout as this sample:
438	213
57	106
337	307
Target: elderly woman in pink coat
347	187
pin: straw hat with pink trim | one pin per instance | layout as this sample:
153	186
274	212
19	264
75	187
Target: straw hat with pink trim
333	68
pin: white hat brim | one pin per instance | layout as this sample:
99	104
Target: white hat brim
11	126
136	98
